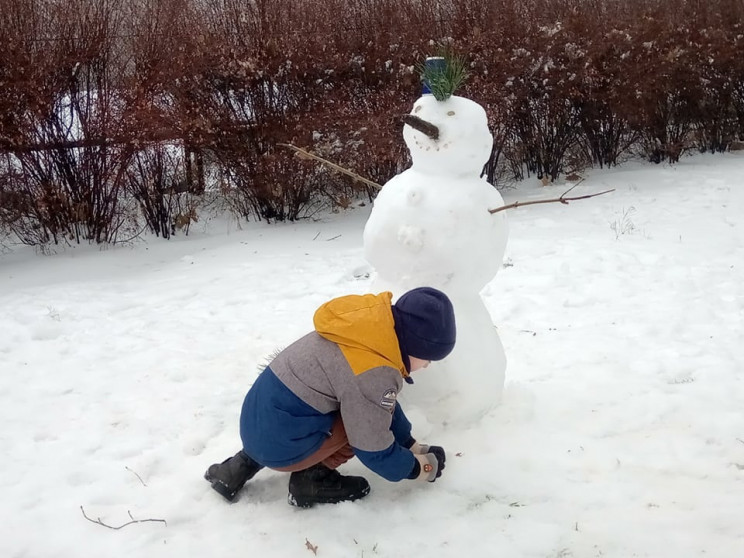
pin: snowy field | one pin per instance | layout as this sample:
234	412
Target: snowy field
621	433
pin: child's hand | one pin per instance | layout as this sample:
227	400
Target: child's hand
431	463
438	452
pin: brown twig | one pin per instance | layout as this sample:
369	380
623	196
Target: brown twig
562	199
334	166
433	132
99	522
311	547
136	475
426	128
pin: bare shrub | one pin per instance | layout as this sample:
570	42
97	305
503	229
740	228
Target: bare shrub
604	123
94	91
156	179
542	113
722	84
664	79
65	168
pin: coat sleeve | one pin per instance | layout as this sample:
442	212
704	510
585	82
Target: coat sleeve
401	428
374	428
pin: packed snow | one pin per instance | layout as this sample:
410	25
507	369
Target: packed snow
431	226
620	432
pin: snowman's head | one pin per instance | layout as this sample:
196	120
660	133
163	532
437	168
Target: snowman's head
464	142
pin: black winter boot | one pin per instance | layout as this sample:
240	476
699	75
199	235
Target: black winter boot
228	477
321	485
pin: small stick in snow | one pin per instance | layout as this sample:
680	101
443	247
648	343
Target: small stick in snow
426	128
562	199
312	547
334	166
136	475
99	522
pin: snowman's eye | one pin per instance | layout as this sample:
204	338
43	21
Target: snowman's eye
451	113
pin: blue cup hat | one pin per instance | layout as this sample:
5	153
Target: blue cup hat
425	324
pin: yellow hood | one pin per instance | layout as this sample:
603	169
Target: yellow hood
364	329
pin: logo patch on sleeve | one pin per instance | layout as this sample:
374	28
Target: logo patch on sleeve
388	399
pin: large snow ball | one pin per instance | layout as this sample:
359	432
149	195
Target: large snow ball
436	231
464	143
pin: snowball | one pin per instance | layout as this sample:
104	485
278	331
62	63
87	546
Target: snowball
464	143
464	243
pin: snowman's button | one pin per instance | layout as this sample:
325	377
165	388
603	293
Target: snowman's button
414	197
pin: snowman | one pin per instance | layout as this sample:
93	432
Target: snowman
430	226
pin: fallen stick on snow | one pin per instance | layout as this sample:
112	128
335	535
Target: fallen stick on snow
136	475
99	522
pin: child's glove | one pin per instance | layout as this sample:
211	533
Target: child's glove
419	449
430	461
438	452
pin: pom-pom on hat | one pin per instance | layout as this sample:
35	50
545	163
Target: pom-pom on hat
424	324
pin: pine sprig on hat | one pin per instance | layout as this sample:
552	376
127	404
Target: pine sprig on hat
443	80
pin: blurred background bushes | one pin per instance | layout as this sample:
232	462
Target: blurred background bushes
119	117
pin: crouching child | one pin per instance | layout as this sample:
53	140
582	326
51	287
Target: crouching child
332	395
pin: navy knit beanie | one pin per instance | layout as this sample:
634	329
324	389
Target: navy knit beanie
424	324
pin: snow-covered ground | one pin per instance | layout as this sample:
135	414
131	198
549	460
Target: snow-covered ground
621	432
